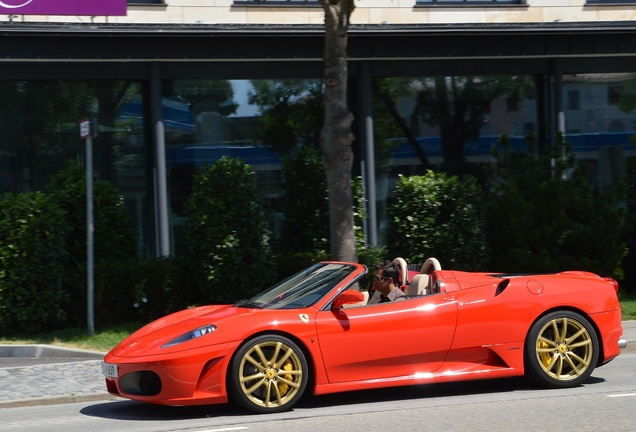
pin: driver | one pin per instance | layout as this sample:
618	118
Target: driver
386	280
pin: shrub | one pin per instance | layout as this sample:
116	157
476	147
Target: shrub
438	215
32	259
114	244
629	264
226	233
305	228
545	217
168	285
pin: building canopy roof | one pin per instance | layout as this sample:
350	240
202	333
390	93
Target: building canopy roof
391	49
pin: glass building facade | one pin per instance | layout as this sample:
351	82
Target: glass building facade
161	120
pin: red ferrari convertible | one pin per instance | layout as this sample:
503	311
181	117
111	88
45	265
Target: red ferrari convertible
317	332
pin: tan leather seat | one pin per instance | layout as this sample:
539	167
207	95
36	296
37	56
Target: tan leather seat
419	285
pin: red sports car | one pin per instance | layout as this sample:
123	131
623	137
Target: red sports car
316	331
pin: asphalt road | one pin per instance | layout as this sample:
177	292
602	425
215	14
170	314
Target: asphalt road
32	375
605	403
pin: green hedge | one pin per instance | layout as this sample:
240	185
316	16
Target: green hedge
439	215
33	294
116	263
545	217
226	233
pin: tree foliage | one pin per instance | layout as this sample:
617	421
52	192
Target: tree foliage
291	112
545	217
458	106
226	232
305	229
114	244
439	215
33	295
388	121
205	96
629	264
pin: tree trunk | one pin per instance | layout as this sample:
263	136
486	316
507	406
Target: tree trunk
336	136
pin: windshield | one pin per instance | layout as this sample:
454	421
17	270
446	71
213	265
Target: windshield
302	289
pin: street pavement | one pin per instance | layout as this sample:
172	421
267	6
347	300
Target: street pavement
32	375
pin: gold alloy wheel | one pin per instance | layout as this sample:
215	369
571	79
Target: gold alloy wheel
564	348
270	374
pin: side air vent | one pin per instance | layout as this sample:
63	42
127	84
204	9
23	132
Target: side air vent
502	286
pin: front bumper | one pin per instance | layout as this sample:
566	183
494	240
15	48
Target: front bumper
193	377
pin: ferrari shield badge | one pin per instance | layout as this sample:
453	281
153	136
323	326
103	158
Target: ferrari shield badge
304	318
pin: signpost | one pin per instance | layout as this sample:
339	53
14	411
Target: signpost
88	130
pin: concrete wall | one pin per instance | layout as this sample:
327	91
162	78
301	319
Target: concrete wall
366	12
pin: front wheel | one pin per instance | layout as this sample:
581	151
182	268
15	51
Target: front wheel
562	350
268	374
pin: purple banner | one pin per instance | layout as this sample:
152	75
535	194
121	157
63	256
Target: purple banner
63	7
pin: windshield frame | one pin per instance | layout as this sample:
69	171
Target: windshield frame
307	287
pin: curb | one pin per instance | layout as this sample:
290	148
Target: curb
38	351
57	400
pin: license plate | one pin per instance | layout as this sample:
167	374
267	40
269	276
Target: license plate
110	370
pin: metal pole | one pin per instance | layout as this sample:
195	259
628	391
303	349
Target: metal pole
89	236
161	175
369	153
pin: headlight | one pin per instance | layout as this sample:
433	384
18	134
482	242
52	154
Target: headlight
196	333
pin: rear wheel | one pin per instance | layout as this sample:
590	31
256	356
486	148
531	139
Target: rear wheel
268	374
561	350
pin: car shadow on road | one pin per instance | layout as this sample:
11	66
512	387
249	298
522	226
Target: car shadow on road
139	411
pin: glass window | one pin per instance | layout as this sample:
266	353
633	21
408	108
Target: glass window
611	2
614	93
299	3
600	128
255	121
574	100
443	114
39	136
467	2
146	1
512	104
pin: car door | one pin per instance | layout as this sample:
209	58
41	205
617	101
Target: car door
384	340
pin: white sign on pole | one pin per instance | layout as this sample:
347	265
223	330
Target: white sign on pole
85	128
88	129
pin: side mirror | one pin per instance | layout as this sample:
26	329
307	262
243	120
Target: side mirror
347	297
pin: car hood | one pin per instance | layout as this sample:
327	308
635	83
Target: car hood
149	339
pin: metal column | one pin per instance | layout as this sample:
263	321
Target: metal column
368	167
160	172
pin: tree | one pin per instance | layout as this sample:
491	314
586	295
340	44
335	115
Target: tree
33	293
439	215
336	137
387	91
458	105
226	232
543	215
114	244
215	96
291	112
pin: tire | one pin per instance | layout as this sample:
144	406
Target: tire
268	374
562	350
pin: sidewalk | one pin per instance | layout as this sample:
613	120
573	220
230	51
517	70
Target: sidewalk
46	375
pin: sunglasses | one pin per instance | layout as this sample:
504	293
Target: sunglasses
378	278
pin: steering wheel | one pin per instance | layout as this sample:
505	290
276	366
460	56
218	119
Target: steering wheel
430	265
